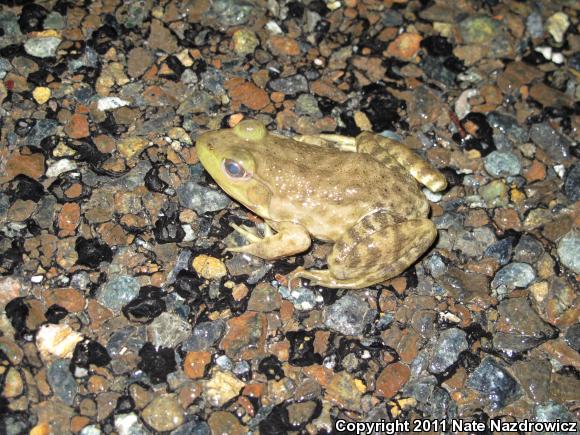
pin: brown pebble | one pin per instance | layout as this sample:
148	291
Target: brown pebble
405	46
69	298
78	126
68	219
392	379
195	364
284	46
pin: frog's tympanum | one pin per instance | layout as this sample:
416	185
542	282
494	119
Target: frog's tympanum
360	194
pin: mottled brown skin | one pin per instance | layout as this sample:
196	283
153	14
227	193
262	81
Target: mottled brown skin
365	201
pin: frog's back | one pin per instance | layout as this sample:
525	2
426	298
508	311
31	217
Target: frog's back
328	190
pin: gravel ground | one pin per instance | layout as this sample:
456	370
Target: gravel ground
120	310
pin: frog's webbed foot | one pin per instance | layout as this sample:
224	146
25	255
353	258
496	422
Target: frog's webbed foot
343	143
289	240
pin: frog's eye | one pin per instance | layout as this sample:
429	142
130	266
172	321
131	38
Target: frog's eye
250	130
234	169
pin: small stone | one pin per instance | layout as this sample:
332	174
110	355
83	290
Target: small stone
20	164
195	364
69	219
139	61
405	47
60	167
284	46
497	385
43	44
132	146
78	126
204	336
58	340
246	93
502	164
449	345
164	413
245	333
514	275
569	251
392	379
550	412
222	387
222	422
572	183
129	424
553	143
168	330
519	327
344	391
349	315
117	292
557	25
495	194
161	38
307	104
201	199
479	30
61	381
292	85
264	298
209	267
245	41
111	103
13	384
41	94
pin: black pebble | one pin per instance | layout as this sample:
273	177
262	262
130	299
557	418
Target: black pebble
125	404
153	182
277	422
271	368
31	18
187	285
295	9
302	349
157	364
143	310
28	189
89	352
168	229
17	311
10	258
55	313
437	46
91	252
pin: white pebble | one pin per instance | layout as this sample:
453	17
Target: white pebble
546	51
558	58
109	103
60	167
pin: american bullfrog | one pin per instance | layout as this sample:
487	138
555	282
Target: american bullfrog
359	193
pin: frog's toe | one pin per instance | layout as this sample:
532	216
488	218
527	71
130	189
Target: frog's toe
246	232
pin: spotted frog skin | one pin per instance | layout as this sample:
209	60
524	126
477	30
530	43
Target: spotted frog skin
359	193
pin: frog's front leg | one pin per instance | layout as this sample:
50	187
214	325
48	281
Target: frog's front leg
290	239
375	249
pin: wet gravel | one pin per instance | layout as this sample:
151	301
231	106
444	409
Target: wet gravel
120	310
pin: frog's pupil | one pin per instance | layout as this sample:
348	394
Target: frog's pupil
233	168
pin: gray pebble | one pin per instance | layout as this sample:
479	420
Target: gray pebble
201	199
514	275
349	315
502	164
569	251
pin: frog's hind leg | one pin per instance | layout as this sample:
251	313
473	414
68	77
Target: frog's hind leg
374	250
385	150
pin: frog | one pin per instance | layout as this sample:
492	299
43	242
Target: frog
361	194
